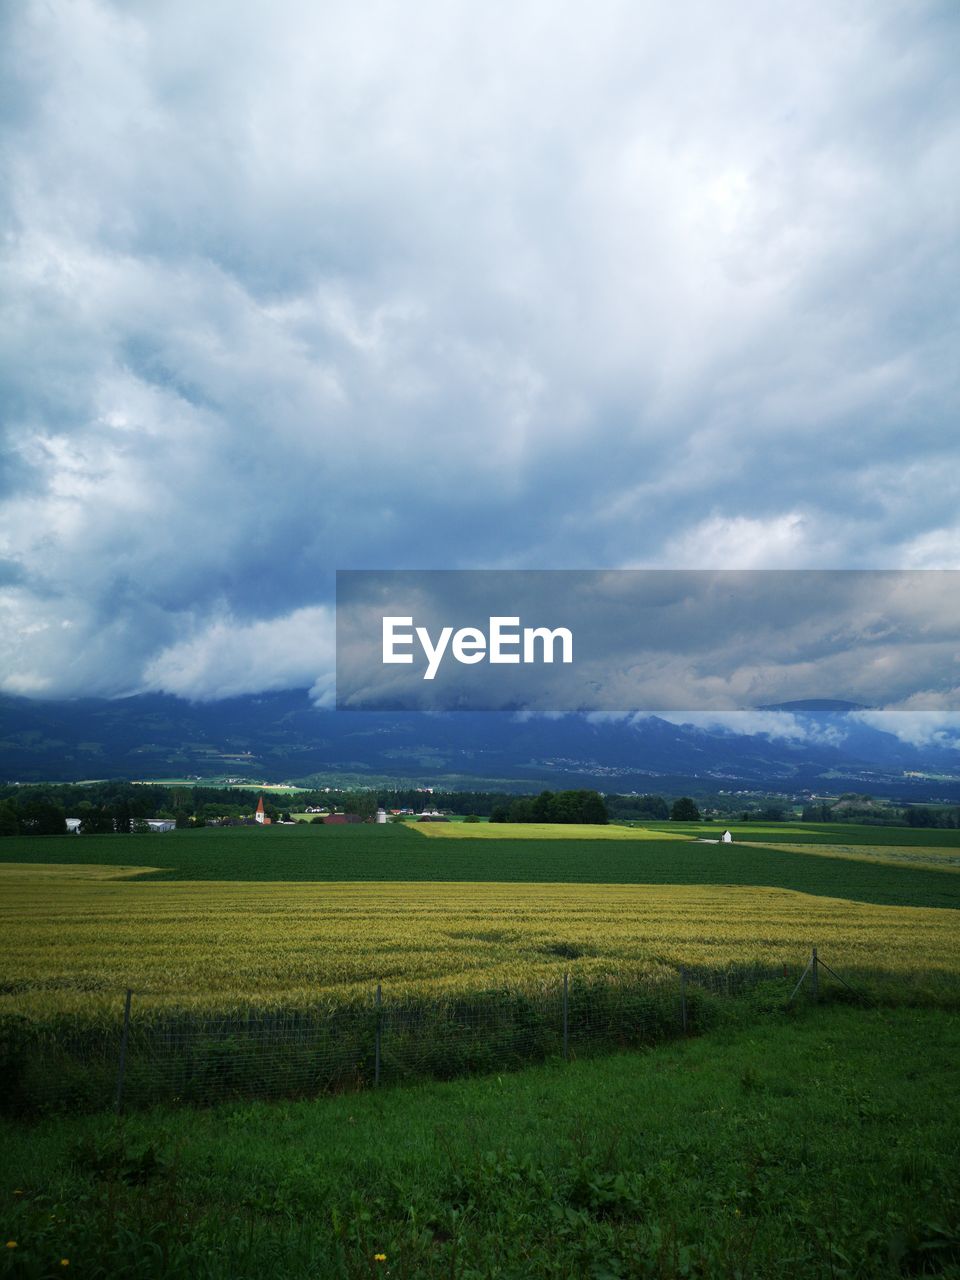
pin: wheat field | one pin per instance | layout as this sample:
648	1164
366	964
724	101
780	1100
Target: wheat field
72	944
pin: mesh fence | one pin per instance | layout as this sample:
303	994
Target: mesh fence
150	1059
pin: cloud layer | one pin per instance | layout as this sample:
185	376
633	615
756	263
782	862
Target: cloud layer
290	289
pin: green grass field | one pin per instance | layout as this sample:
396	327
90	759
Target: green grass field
395	852
819	1148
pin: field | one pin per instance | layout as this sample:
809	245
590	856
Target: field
791	1148
73	945
814	833
537	831
777	1141
398	853
289	915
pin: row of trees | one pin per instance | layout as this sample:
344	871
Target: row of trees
554	806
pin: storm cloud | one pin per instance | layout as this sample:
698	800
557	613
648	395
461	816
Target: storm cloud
287	289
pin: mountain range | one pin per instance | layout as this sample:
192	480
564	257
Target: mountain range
820	746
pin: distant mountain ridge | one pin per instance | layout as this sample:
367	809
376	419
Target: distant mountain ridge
283	737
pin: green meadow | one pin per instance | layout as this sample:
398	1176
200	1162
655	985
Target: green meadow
818	1146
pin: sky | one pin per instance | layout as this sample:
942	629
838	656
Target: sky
291	288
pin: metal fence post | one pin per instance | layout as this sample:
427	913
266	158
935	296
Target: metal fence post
815	975
376	1049
683	999
566	1016
124	1039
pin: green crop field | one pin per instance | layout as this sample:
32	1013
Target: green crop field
397	852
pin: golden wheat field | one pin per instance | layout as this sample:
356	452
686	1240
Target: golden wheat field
538	831
72	944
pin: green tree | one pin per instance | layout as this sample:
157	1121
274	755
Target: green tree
654	808
9	822
363	803
40	817
97	822
685	810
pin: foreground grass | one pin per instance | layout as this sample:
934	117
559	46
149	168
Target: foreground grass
73	946
395	853
787	1149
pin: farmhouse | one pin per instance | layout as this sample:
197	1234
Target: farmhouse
432	815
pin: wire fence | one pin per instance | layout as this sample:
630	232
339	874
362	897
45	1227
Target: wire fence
147	1058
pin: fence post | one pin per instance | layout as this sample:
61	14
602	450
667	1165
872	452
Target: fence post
815	975
683	998
376	1048
566	1016
122	1064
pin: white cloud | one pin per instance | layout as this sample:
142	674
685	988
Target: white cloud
741	542
919	728
782	725
226	658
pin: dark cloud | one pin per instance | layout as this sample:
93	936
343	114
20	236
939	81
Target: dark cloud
287	290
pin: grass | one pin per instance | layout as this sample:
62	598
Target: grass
73	946
789	1149
395	853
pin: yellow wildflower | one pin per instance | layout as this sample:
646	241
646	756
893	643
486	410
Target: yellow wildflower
64	1262
11	1244
379	1257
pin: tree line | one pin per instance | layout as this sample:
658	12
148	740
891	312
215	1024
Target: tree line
554	806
